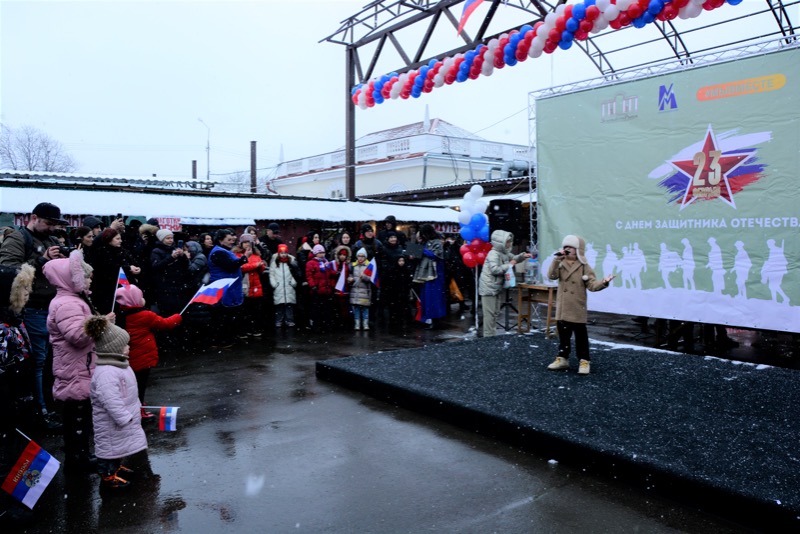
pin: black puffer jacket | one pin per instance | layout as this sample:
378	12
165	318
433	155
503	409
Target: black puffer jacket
173	281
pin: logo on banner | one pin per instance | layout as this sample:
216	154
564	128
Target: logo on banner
714	168
620	108
750	86
666	98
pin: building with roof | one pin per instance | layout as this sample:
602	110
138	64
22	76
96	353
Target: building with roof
424	160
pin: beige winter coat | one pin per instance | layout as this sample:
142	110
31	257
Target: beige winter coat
574	278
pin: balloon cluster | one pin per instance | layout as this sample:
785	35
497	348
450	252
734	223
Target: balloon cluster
474	228
559	29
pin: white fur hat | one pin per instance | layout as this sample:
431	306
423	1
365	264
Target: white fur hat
578	244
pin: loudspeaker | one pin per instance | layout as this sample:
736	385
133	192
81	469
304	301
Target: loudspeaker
506	214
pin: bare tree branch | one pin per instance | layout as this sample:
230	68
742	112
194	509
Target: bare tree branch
29	149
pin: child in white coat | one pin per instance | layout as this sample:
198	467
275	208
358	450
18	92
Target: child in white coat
116	410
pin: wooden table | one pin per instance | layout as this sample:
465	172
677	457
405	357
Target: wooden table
527	296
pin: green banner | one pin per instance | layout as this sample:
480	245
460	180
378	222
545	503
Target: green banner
685	186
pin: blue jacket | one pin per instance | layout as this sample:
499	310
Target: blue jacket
222	263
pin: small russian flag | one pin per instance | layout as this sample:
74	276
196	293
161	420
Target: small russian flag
168	419
213	292
341	283
33	471
372	272
122	280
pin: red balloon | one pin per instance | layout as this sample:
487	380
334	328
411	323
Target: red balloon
581	35
592	12
463	249
480	258
568	12
634	12
554	35
499	63
469	260
587	25
476	245
487	247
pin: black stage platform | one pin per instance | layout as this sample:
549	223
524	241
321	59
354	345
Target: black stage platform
718	434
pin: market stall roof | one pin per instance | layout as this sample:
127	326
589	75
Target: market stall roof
208	208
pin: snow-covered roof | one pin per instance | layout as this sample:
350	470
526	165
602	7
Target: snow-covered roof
437	127
88	179
209	208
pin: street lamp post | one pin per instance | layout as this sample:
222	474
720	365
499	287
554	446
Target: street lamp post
208	150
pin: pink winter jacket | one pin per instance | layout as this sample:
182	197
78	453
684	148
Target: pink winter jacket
73	350
116	413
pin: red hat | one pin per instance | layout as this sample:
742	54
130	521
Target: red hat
283	249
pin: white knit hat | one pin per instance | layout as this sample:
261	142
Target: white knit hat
163	233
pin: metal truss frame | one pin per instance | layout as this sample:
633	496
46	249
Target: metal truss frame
379	23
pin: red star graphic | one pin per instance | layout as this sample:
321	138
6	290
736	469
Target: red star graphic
708	172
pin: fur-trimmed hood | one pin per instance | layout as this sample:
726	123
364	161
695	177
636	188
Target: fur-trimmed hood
339	249
69	274
16	286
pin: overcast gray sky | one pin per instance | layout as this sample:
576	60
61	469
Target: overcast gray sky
122	84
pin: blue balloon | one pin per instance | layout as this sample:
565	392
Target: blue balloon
567	35
467	233
655	7
525	29
579	11
379	99
734	2
564	45
478	221
638	22
416	92
511	61
483	235
514	40
587	3
572	25
464	67
461	77
356	88
648	17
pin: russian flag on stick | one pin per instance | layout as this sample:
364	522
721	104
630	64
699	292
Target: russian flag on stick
341	284
30	476
211	293
167	417
469	7
372	272
122	280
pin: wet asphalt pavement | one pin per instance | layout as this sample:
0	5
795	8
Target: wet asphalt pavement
262	446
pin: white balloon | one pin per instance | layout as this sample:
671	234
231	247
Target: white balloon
694	10
464	217
550	19
492	44
560	9
535	52
600	24
481	206
623	5
438	80
602	5
476	190
611	13
487	68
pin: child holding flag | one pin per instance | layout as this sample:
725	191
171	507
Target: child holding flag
116	410
360	290
321	278
16	381
141	325
341	295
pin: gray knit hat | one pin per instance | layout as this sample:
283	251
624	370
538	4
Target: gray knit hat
109	339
